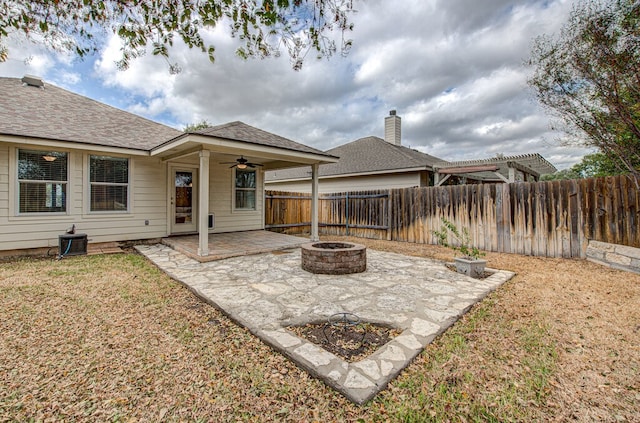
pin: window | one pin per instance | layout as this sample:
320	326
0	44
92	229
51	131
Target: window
109	180
245	189
42	180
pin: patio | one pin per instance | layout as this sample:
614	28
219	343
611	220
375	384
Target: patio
269	291
233	244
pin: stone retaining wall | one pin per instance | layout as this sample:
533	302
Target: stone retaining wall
613	255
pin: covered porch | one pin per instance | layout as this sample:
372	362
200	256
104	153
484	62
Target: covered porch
233	244
215	188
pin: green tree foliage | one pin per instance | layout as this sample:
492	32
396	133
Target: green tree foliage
591	166
264	27
589	77
561	174
597	165
196	126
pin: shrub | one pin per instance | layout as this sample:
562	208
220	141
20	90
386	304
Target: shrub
461	236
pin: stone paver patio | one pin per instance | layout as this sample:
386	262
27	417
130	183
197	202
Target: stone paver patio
268	292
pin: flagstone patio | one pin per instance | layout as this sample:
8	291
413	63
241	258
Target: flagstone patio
269	291
233	244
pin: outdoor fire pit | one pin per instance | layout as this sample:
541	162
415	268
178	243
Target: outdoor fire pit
334	258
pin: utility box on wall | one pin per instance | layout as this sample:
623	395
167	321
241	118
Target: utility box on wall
72	244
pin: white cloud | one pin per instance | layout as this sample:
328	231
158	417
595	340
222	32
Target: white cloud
26	58
453	69
147	76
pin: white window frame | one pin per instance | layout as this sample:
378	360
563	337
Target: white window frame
90	184
18	181
254	189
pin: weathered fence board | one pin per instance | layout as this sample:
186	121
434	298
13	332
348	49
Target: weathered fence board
554	219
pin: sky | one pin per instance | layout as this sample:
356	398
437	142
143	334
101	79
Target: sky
454	70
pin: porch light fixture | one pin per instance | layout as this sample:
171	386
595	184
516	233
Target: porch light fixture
49	158
241	166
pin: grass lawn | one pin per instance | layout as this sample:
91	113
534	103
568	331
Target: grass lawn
111	338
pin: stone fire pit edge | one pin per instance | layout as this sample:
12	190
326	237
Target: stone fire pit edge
334	258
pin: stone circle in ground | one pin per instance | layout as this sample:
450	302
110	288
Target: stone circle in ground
350	343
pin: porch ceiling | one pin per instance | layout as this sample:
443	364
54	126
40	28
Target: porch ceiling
235	139
272	158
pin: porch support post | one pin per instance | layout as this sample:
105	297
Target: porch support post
314	202
203	204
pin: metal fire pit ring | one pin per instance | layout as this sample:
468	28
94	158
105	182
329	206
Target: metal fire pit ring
342	321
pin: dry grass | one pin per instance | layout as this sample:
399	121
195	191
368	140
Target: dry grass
110	338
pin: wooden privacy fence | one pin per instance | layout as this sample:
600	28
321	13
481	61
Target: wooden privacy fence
553	219
363	214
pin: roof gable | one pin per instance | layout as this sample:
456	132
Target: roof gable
57	114
372	154
366	155
240	131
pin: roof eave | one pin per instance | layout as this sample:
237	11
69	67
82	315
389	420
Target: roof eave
352	174
76	145
231	145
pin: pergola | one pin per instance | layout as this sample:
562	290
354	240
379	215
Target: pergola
501	169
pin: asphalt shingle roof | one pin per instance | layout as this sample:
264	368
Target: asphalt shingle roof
57	114
240	131
365	155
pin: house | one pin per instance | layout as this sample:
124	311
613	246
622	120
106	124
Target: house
373	163
365	164
68	160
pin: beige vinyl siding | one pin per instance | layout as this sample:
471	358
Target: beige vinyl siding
4	181
221	196
147	185
222	199
351	183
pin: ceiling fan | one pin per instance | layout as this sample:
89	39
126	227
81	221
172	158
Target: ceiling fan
242	163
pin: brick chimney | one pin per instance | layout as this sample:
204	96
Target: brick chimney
392	132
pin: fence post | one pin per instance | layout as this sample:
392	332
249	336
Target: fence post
346	211
389	216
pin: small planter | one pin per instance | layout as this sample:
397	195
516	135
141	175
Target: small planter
470	267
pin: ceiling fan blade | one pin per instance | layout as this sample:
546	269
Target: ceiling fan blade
242	161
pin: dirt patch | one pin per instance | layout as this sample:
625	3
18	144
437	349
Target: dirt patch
350	342
587	313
